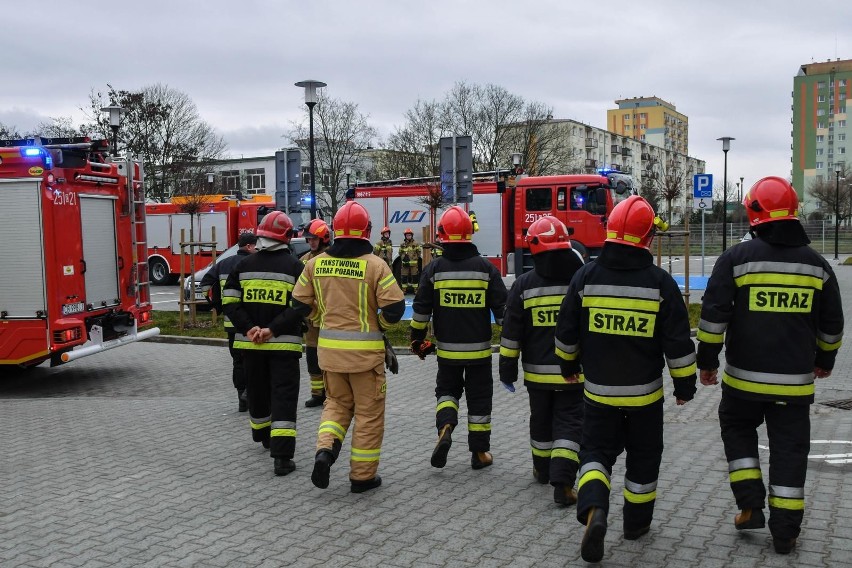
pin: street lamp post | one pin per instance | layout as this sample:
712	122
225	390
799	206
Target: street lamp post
726	145
836	211
742	190
347	169
516	162
210	178
114	122
311	87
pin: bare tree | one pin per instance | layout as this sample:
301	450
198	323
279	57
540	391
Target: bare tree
341	135
60	127
9	132
162	126
413	149
668	180
544	147
835	194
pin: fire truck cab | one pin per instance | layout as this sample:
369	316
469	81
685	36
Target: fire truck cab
73	271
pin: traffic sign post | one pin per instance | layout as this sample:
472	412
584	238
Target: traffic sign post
702	192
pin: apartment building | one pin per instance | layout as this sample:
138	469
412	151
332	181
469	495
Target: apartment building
651	120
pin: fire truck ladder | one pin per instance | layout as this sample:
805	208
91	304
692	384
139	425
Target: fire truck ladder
136	193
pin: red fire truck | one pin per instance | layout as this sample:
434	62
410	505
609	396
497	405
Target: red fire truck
505	208
73	270
228	216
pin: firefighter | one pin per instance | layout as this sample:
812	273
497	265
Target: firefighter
556	407
257	300
318	236
460	290
411	260
354	297
623	319
774	303
214	283
384	248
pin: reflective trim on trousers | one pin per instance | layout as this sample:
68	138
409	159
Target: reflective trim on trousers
593	471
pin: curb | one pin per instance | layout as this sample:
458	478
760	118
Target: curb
216	342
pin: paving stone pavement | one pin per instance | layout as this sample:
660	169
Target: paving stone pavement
137	457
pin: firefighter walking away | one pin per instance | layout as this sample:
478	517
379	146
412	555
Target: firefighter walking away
622	320
354	297
774	304
460	290
556	407
318	236
257	299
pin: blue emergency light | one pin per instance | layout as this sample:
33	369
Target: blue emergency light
31	151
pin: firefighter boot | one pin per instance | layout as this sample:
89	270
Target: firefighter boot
750	519
322	468
366	485
541	477
592	548
242	398
564	494
634	534
315	400
784	545
283	466
479	460
442	448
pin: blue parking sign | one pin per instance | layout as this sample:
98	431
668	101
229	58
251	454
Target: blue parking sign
702	186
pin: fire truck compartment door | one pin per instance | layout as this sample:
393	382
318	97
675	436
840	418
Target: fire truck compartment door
22	278
97	217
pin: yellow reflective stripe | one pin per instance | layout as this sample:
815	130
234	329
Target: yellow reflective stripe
643	400
591	475
383	322
543	301
317	385
761	388
708	337
513	353
464	354
546	379
230	300
565	454
362	307
828	346
387	281
333	428
260	425
683	371
621	303
360	455
303	279
419	324
744	474
447	404
483	284
785	503
779	279
639	497
478	427
567	356
540	453
376	344
320	306
268	346
283	432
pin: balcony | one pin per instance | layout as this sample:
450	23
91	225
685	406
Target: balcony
626	152
646	156
591	163
615	166
591	143
615	149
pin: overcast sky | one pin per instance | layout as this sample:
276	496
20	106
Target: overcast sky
727	64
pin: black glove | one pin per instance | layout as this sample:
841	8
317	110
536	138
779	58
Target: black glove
422	347
391	362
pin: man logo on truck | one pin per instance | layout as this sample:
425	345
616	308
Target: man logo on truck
408	216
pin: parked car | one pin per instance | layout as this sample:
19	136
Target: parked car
298	246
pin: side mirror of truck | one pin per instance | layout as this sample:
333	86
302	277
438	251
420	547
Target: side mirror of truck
600	196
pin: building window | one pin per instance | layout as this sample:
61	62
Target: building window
256	180
841	123
231	181
820	138
821	85
821	99
819	152
820	125
821	112
841	150
841	137
306	177
842	82
627	128
819	165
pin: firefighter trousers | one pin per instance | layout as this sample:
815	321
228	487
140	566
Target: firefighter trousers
607	431
409	278
477	384
317	388
556	425
788	428
238	375
273	388
360	396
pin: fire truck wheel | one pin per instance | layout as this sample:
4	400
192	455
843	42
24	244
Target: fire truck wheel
159	272
579	247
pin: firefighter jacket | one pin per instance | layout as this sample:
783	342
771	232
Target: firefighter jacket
312	334
344	289
384	250
410	254
460	290
623	319
530	321
775	304
258	293
215	279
